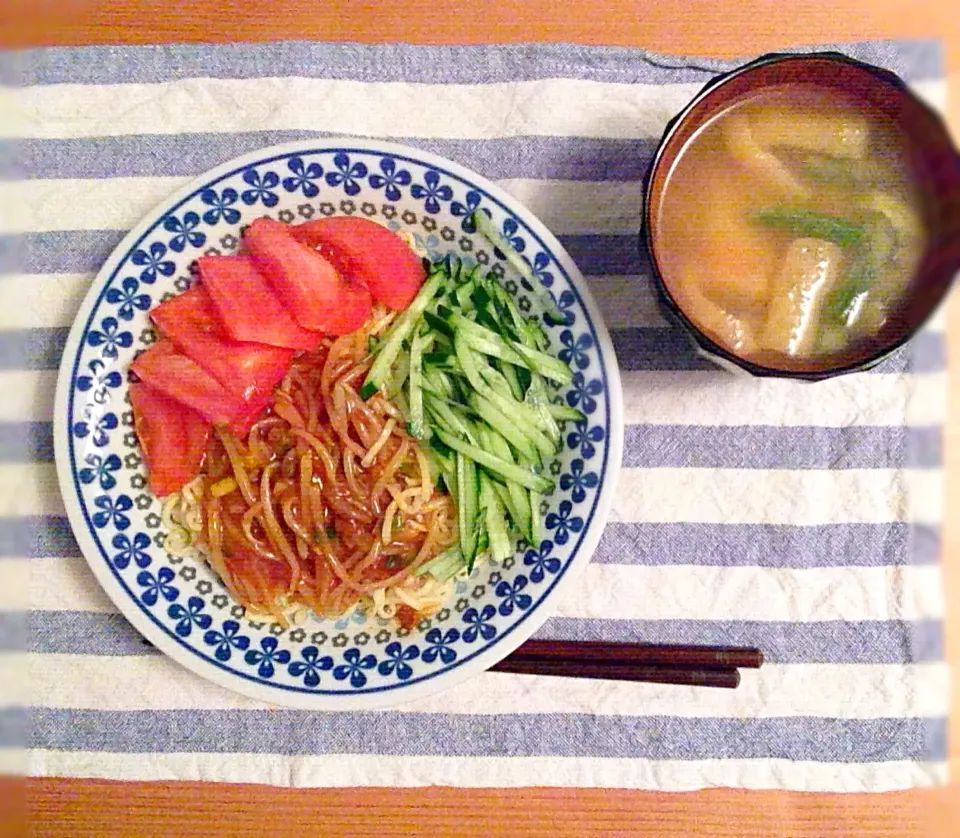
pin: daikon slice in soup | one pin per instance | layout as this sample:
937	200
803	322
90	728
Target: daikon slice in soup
790	227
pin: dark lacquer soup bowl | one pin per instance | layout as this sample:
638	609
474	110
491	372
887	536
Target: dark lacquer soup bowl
925	158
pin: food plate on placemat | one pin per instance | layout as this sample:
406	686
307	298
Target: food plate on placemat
359	659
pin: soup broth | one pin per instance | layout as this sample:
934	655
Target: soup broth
790	227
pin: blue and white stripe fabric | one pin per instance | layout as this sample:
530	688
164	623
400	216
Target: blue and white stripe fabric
803	519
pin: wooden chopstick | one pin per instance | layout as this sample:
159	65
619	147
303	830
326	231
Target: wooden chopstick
699	666
725	678
694	657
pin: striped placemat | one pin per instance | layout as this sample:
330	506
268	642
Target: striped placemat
803	519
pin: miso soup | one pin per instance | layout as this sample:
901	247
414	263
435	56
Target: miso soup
790	227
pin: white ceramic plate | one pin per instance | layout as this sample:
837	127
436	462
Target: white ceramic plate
178	604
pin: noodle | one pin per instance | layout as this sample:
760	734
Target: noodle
392	466
380	404
401	499
329	464
273	526
387	529
350	473
246	523
371	455
239	472
328	504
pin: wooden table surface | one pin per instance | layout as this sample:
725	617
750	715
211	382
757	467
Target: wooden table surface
55	807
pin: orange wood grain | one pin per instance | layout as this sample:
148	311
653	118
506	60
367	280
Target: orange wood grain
190	810
58	807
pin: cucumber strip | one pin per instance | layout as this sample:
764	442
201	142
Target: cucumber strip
449	369
515	512
806	223
514	430
514	497
483	541
506	469
470	369
448	420
537	335
562	413
485	227
457	405
494	349
464	295
534	359
467	507
483	317
509	372
494	378
538	399
439	380
437	462
519	323
452	266
428	387
524	376
444	566
400	400
481	297
450	480
535	522
438	323
495	388
500	548
399	376
526	415
505	426
377	376
415	422
441	357
545	365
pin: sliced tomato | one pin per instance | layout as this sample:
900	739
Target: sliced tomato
173	438
248	370
250	413
182	379
309	287
367	252
247	307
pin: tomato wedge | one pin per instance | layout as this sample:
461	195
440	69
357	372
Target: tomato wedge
173	438
182	379
310	288
367	253
247	307
249	414
247	370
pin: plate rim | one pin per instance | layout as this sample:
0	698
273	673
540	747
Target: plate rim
276	694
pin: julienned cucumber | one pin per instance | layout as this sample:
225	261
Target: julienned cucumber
469	374
501	468
415	424
487	229
391	345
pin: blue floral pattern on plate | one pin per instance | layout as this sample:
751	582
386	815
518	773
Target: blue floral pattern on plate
177	601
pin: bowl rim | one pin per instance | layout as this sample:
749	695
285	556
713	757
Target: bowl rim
443	680
707	345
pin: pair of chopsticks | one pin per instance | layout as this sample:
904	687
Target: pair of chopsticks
696	666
